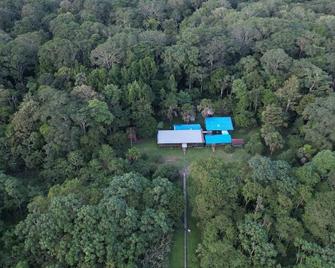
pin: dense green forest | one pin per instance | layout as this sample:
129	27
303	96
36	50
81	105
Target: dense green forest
78	78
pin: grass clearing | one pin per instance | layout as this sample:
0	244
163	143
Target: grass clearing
176	156
194	238
176	258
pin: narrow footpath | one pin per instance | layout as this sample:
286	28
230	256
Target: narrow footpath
185	218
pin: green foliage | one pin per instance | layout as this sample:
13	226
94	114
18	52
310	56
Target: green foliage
289	93
13	194
81	225
254	241
320	125
273	116
305	153
210	191
99	112
319	215
22	264
313	255
270	211
187	112
133	154
276	62
243	117
324	163
167	171
206	108
140	108
57	53
272	138
106	54
19	56
76	75
254	144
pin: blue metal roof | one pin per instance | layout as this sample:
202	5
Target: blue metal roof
219	123
218	139
187	127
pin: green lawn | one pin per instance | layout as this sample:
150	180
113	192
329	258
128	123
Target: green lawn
194	239
176	156
176	258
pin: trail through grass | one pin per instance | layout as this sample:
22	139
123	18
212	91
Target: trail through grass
176	259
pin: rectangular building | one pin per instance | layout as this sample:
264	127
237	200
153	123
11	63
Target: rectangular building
219	123
187	127
217	139
180	137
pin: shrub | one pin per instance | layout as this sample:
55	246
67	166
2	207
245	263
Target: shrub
255	145
228	149
167	171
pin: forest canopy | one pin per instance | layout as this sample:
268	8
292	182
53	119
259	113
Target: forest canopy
79	79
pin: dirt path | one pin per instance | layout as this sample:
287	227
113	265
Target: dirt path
171	159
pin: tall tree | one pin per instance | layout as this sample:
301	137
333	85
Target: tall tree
113	225
206	108
289	93
320	122
139	100
57	53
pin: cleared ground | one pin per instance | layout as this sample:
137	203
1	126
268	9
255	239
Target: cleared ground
176	156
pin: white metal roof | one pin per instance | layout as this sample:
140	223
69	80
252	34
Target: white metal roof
179	136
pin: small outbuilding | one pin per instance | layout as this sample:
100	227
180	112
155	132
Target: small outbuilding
187	127
218	129
237	142
219	124
217	139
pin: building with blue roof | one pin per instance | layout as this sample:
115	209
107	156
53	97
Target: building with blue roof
187	127
219	123
217	139
186	135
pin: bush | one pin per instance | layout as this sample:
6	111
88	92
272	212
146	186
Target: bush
228	149
160	125
147	128
294	142
167	171
143	167
120	143
150	157
288	156
255	145
133	154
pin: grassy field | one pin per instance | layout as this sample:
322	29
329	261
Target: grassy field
194	239
176	258
176	156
